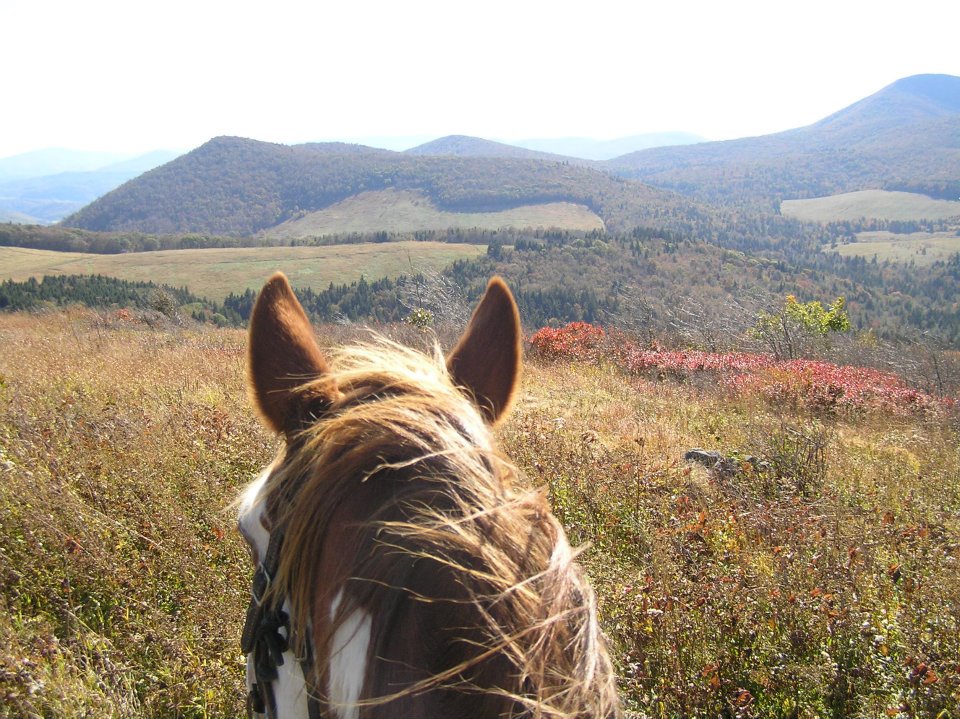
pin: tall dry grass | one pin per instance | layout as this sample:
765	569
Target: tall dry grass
821	577
122	577
816	573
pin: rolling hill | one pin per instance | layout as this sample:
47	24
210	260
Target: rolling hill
235	186
906	136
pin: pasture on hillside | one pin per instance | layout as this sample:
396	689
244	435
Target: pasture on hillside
922	248
871	204
815	573
214	273
406	211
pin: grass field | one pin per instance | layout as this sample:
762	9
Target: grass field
214	273
401	211
923	248
871	204
820	580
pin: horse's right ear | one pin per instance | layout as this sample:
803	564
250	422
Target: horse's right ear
283	356
486	360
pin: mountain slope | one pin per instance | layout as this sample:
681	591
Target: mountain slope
907	134
237	186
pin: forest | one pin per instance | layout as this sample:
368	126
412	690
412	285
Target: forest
559	277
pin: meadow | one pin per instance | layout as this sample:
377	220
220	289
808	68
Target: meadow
814	572
214	273
406	211
876	204
921	248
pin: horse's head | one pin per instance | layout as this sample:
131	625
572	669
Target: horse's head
399	571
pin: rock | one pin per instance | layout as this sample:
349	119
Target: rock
707	457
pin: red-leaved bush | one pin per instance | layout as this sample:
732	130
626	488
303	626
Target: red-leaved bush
578	340
826	385
803	383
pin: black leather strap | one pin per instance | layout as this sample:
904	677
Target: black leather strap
262	638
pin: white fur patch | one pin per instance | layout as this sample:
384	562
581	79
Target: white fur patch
289	688
348	660
251	511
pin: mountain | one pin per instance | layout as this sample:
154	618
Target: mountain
236	186
46	198
465	146
906	136
590	149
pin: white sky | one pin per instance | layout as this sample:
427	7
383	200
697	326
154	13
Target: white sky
130	75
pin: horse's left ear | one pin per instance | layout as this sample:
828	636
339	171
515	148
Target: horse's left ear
486	360
283	356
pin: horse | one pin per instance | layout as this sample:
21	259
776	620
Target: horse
401	568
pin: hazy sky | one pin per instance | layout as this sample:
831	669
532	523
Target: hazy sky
131	75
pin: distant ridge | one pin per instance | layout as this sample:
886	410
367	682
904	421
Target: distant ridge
42	197
466	146
907	134
52	161
599	150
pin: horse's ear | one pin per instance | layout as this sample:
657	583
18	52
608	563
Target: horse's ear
283	356
486	360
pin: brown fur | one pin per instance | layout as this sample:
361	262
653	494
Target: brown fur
396	495
282	356
490	351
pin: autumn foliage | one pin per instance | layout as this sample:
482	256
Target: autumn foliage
801	383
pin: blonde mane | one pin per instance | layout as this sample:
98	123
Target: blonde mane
401	466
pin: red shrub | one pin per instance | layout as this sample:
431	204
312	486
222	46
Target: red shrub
578	340
807	383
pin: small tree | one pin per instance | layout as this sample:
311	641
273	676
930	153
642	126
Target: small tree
795	328
163	302
434	300
420	318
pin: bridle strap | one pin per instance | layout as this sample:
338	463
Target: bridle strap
262	638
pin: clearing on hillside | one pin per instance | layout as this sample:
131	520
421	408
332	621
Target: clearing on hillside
924	248
214	273
871	204
404	211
